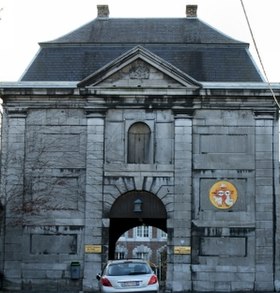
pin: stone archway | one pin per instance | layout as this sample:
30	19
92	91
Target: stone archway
123	215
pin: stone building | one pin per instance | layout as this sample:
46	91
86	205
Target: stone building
165	122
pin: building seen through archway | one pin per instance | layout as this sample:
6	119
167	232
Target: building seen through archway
145	242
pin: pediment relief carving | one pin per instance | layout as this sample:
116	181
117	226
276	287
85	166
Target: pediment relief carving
140	74
139	70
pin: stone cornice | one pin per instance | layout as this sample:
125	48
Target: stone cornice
207	89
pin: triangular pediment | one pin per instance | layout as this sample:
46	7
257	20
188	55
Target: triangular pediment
139	68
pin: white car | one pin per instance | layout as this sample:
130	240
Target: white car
131	275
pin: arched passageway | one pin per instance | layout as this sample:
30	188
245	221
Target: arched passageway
132	209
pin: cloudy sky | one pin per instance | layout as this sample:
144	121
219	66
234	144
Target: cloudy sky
25	23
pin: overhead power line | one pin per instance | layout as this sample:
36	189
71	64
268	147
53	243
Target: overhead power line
259	55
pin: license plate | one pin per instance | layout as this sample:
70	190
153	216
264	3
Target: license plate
130	284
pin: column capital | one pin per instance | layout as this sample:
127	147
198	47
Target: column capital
183	114
95	112
265	115
17	113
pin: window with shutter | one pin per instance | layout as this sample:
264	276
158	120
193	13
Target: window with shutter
139	144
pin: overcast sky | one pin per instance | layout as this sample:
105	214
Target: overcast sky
25	23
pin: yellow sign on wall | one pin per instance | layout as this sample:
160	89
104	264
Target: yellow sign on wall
182	250
90	248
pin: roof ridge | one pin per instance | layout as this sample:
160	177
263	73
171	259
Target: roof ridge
149	30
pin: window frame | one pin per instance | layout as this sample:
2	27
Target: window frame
150	125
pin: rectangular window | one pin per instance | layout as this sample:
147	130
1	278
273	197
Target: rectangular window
142	255
163	234
142	232
119	255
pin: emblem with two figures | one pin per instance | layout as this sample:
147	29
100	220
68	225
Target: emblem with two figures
223	194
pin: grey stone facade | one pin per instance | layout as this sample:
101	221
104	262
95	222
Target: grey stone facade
77	144
65	170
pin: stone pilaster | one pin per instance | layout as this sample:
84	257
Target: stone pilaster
265	203
181	275
93	200
277	207
13	160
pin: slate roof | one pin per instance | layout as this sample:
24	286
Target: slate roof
146	31
189	44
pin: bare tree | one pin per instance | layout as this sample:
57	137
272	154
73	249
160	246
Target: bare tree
35	184
32	183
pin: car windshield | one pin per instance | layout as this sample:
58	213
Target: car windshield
128	268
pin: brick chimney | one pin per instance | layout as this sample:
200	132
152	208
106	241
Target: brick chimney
103	11
191	10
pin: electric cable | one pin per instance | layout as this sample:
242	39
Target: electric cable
259	55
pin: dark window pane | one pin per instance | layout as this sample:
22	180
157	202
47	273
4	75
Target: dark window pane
139	144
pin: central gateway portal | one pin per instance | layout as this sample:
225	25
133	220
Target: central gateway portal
132	209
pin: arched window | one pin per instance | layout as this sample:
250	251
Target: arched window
139	144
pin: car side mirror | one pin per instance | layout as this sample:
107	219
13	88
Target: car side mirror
98	277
